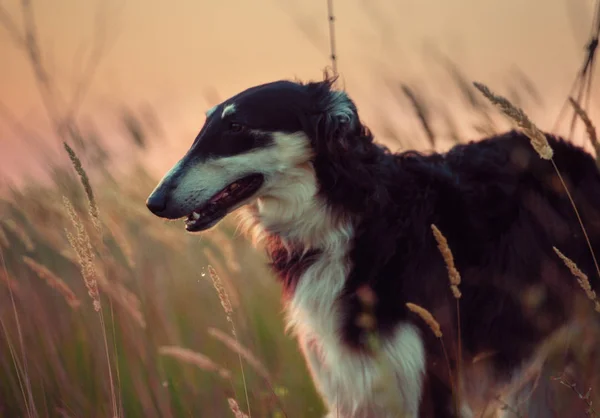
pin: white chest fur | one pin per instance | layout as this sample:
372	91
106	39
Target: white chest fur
352	384
349	381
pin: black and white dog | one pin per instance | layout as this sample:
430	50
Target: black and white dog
338	212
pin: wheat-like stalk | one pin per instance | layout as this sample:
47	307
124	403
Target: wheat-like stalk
581	277
235	408
434	325
454	277
226	304
85	181
540	144
223	296
80	242
53	281
535	135
427	317
197	359
227	283
453	273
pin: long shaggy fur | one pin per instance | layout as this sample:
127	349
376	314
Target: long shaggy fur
339	213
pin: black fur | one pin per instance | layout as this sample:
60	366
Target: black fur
501	207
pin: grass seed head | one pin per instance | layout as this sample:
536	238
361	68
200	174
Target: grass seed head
535	135
223	296
581	277
427	317
80	242
85	181
453	273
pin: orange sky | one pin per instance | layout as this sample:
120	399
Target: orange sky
168	53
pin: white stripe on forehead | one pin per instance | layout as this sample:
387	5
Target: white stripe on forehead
210	111
228	110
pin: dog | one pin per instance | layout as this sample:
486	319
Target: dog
347	225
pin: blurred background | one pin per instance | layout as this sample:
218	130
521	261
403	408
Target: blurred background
126	83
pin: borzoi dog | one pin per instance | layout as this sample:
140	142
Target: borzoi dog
339	214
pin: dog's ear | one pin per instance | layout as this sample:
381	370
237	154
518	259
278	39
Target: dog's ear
340	114
334	114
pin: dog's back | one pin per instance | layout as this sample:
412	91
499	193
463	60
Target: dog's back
503	210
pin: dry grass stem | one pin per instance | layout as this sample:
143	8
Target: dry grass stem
540	144
222	292
20	233
226	304
228	285
85	181
192	357
590	411
453	273
437	331
422	113
80	242
53	281
332	44
589	127
235	408
427	317
581	277
537	137
85	254
454	277
238	348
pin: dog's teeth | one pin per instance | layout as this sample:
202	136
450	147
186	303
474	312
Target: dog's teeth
195	215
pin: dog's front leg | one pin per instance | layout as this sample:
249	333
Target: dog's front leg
311	351
359	385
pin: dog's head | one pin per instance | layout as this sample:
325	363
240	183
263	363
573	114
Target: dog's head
247	145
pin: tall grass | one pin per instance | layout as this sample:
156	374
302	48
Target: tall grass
169	341
167	348
152	276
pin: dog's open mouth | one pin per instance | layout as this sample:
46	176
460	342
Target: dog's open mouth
218	206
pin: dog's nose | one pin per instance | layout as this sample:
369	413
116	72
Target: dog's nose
157	203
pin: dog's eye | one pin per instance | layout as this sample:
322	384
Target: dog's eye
235	127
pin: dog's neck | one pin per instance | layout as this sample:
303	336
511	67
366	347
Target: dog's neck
293	212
